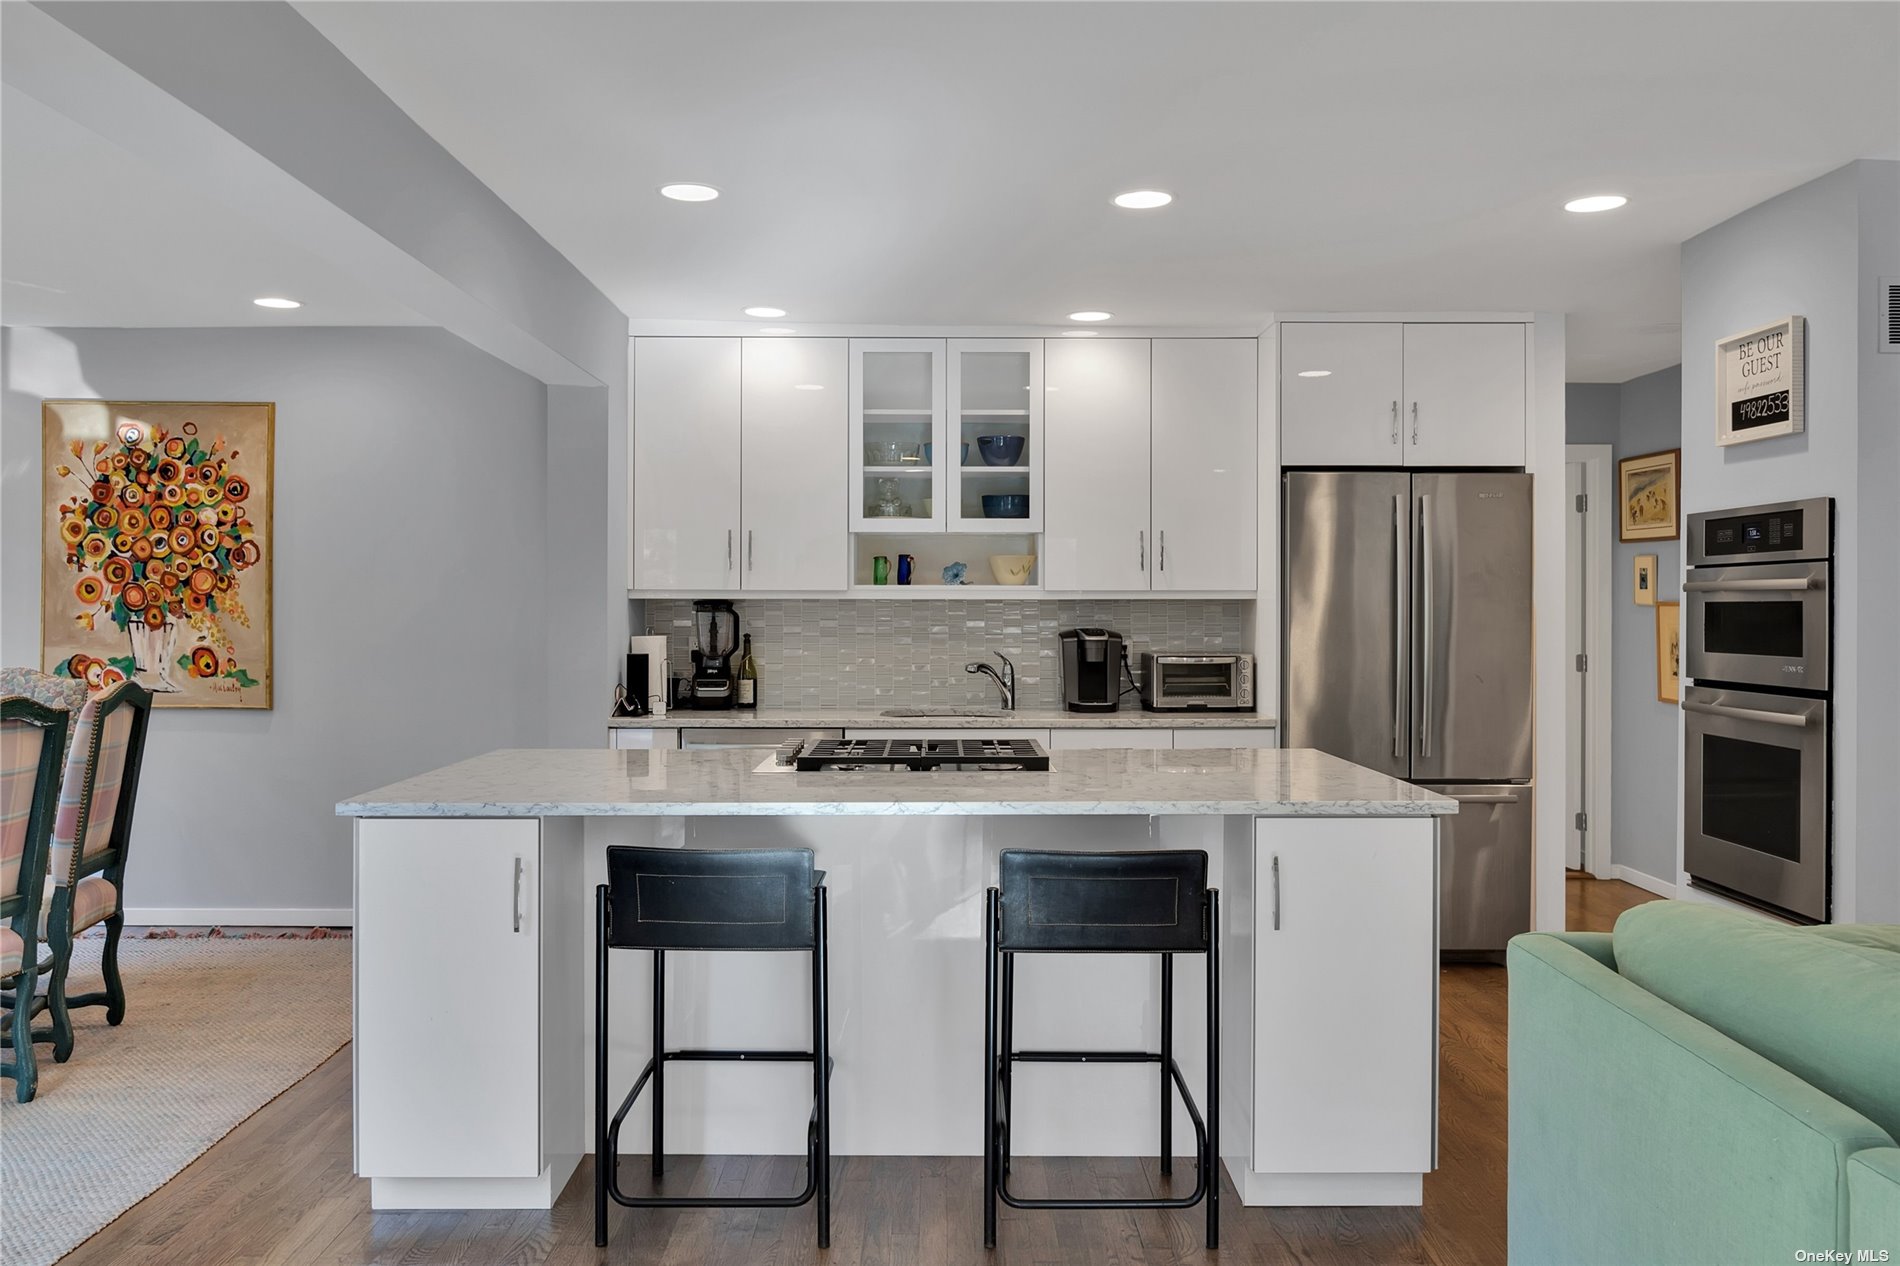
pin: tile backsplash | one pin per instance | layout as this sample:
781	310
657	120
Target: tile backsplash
832	653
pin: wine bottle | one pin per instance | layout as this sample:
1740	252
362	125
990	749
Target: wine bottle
748	676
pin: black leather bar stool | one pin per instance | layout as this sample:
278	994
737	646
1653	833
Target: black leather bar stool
662	899
1100	903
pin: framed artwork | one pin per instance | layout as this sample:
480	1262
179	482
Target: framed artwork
1761	382
1643	582
156	553
1669	652
1649	492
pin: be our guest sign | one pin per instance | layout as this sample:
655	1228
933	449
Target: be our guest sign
1760	382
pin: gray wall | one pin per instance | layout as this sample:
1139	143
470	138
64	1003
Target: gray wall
409	606
872	653
1815	251
1639	416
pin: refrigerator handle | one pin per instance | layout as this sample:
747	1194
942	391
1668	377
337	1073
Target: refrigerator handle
1426	612
1398	621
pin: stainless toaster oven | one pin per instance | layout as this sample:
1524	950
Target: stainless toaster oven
1183	683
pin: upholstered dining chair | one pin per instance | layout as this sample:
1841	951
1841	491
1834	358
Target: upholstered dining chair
32	741
90	834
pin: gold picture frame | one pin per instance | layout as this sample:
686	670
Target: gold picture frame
1643	581
1669	652
157	549
1649	496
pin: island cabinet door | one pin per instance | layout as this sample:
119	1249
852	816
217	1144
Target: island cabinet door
1345	1002
447	1036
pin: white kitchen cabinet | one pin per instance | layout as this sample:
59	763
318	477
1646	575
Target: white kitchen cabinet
795	464
1342	387
1412	394
1465	396
995	389
1094	740
625	739
685	397
1096	486
897	433
1238	736
448	982
1204	441
1345	987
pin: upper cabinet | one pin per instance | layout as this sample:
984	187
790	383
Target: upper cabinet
685	451
1411	394
994	458
1204	441
1152	480
897	435
794	466
739	464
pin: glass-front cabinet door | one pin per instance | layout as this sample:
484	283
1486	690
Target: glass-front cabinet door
995	423
897	435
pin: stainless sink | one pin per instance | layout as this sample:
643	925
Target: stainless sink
943	712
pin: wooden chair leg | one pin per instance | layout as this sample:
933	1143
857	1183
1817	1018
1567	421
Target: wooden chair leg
109	966
61	939
25	1068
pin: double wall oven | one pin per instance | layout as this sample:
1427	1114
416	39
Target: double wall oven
1756	637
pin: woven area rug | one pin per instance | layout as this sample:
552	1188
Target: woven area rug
214	1029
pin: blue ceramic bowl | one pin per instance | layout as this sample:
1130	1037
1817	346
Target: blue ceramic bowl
1000	450
1006	505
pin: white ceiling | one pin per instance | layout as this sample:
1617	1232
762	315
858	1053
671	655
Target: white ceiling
952	163
96	236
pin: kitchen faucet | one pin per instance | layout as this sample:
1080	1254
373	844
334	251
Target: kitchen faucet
1005	680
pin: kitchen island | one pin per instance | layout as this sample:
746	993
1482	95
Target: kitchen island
473	977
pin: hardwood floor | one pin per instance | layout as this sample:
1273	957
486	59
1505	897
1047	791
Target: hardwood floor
278	1190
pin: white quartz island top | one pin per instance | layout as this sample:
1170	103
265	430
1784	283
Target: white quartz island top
536	783
991	721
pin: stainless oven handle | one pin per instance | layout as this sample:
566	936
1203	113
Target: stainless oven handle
1793	720
1494	797
1789	584
1398	610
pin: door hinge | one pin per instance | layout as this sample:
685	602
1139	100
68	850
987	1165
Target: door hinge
1583	502
1583	663
1583	821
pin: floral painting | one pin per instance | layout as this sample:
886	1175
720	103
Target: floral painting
156	554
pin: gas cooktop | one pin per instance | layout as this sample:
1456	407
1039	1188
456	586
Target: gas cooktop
998	755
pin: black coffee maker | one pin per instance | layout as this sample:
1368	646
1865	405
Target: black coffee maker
715	638
1091	670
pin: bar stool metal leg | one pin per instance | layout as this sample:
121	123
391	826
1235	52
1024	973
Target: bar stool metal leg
659	1062
1009	1069
821	1066
1213	1161
991	1070
603	1159
1167	1062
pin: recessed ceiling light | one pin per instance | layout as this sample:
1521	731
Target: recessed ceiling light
767	313
777	329
1090	316
689	192
271	302
1316	373
1080	333
808	386
1596	202
1143	199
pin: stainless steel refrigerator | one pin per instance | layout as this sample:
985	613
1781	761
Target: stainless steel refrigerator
1407	621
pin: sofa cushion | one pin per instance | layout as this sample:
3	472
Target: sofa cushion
1823	1003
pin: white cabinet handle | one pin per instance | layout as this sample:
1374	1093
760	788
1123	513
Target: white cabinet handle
1395	421
517	900
1141	551
1414	421
1276	892
1163	553
728	549
748	549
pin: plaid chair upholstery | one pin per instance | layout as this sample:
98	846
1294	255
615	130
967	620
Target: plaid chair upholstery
32	738
91	834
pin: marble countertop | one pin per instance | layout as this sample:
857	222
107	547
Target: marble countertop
874	719
595	783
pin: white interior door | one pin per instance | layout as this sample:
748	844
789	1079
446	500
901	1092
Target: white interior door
795	464
448	1043
1096	486
685	399
1205	487
1342	385
1576	698
1465	394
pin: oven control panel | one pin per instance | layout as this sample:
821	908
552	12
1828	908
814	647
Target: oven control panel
1790	531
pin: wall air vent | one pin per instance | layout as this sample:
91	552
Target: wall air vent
1889	340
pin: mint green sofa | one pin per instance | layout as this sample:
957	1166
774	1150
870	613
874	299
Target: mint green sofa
1704	1086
